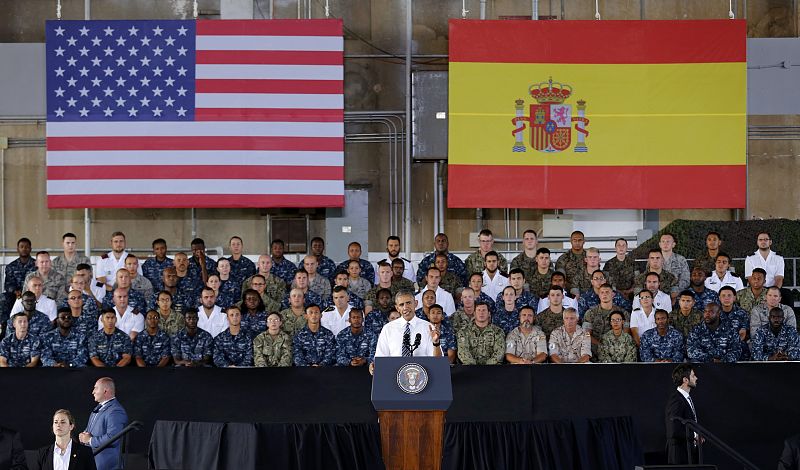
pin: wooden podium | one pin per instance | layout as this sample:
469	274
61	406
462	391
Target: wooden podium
411	395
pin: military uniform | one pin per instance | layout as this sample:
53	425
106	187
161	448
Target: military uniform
241	269
19	352
54	286
181	300
190	286
526	346
685	323
38	324
89	305
152	348
504	319
760	316
524	299
540	284
403	284
16	271
349	346
702	299
109	348
705	344
310	348
320	285
475	263
291	323
192	348
309	298
739	320
483	297
481	346
194	267
524	262
621	273
668	282
582	280
371	298
66	267
766	343
571	264
549	321
143	286
460	320
327	268
654	347
615	348
747	300
85	324
275	289
447	337
153	270
70	349
678	267
367	271
135	301
589	299
272	351
598	322
706	262
454	265
254	324
229	293
374	321
356	301
570	347
450	282
233	350
172	324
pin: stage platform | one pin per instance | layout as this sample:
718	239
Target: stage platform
749	405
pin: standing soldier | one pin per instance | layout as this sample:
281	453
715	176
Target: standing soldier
153	267
475	262
67	263
16	271
441	245
526	259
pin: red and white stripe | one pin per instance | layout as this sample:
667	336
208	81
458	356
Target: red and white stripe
268	129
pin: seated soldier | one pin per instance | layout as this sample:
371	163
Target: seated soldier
516	279
553	316
591	297
293	319
139	283
755	293
476	284
662	343
337	317
447	337
357	283
343	279
667	282
353	342
713	340
721	276
110	347
539	279
685	317
181	298
21	348
569	343
643	318
526	344
38	323
230	286
466	312
169	320
272	289
480	342
450	282
254	315
399	282
316	282
697	286
314	345
273	348
82	321
66	345
234	346
506	312
151	348
384	282
776	341
558	279
89	304
736	316
597	320
191	346
311	297
760	314
617	345
621	269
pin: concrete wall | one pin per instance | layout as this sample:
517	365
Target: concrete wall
371	84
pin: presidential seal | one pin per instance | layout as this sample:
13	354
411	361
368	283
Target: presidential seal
412	378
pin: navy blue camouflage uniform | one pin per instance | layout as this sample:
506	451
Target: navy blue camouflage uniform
284	269
739	320
704	298
705	344
254	324
326	268
153	270
314	348
367	271
523	299
654	347
230	292
70	350
136	300
89	306
241	269
765	343
192	348
109	348
15	280
19	352
38	324
152	348
506	320
454	265
233	350
589	299
349	346
309	298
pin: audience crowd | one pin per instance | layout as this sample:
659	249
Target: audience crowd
194	311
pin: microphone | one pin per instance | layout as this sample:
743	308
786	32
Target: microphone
407	340
417	340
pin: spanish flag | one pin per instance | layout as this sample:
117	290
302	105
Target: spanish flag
597	114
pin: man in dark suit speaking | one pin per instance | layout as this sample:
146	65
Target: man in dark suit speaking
106	420
680	405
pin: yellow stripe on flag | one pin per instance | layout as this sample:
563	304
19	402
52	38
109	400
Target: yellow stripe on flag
639	114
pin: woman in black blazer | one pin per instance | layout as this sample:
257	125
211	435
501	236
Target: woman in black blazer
80	458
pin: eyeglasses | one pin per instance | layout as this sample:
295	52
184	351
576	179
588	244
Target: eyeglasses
763	239
73	298
616	320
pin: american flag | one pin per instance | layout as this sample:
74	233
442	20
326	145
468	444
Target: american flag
174	113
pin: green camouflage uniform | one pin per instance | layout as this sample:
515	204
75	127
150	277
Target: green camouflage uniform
272	351
474	263
621	273
481	346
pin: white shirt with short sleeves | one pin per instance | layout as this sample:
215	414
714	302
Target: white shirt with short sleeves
44	304
714	283
335	322
390	341
214	324
443	298
773	265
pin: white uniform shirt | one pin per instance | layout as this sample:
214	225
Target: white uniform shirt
568	302
390	341
443	298
109	266
408	270
492	287
714	283
214	324
773	265
44	304
127	322
643	322
335	322
662	302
